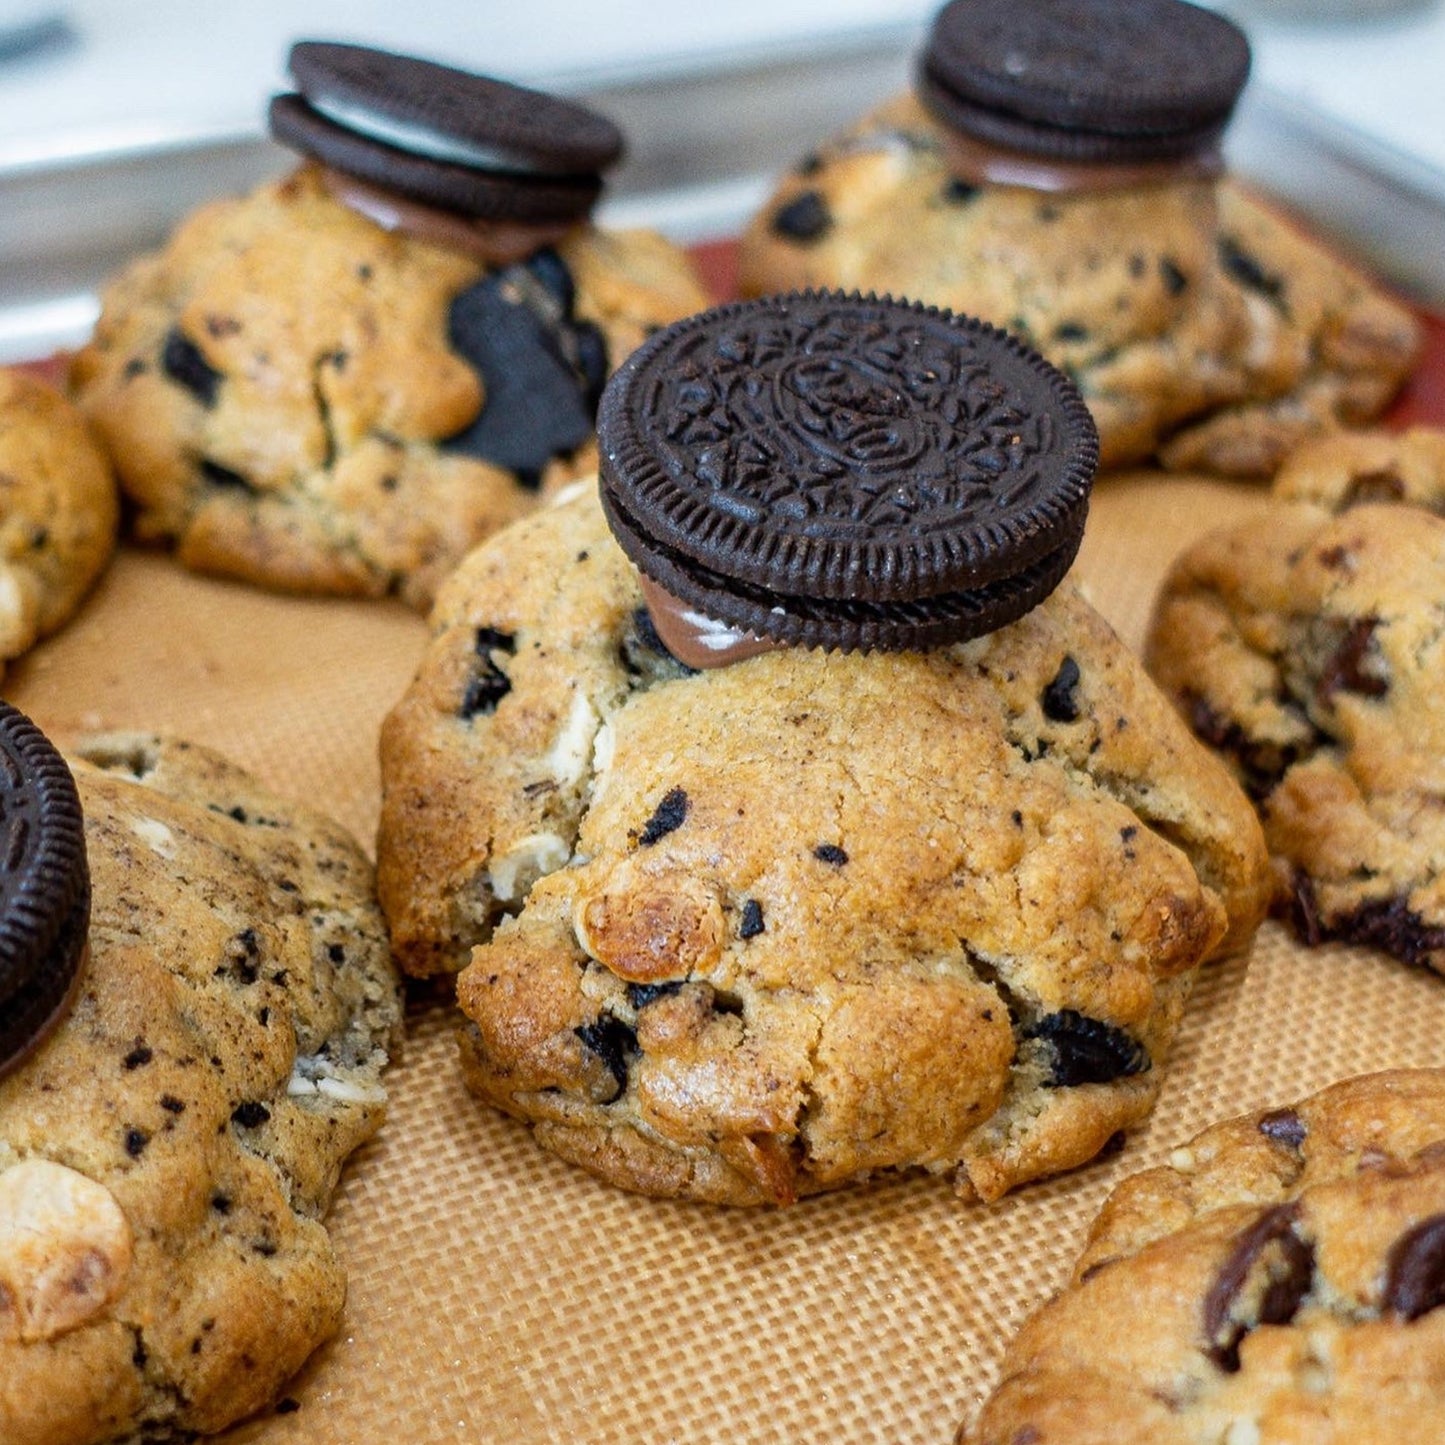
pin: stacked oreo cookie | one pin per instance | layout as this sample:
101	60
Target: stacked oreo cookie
44	886
846	472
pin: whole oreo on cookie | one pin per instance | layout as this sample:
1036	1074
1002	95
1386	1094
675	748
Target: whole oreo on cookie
1085	80
445	137
44	886
846	472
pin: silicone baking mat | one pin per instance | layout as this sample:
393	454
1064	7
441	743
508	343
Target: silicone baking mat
498	1294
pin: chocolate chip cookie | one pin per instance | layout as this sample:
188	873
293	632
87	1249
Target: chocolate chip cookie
313	389
58	511
1202	328
168	1151
1282	1278
1306	647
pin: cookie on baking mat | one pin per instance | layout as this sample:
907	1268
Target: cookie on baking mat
1307	647
343	381
1281	1278
197	1002
833	840
58	511
1057	170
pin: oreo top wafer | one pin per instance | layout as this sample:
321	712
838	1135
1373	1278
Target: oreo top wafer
444	137
44	885
845	471
1085	80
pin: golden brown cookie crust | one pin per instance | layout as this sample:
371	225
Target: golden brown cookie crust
315	467
731	923
175	1144
58	511
1200	326
1307	646
1150	1341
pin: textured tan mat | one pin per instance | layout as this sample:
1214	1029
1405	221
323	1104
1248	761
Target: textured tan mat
498	1294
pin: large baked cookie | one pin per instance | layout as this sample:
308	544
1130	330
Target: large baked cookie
1282	1278
1201	327
58	511
757	931
297	396
168	1151
1307	646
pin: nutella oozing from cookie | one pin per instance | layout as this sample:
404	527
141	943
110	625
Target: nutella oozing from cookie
345	380
920	886
1057	171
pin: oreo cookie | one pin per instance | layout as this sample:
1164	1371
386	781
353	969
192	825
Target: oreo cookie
1085	80
841	471
44	886
443	137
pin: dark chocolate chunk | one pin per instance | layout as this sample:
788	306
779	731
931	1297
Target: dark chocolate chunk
1415	1270
804	218
750	924
1269	1245
1392	925
1262	763
613	1042
1059	701
1086	1050
830	853
1355	664
1284	1126
511	326
1085	80
488	684
181	360
843	471
669	815
1247	271
1071	331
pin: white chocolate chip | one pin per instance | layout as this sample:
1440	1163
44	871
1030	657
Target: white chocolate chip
65	1250
155	835
513	874
572	748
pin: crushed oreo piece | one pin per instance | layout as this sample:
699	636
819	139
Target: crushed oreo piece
804	218
830	853
1087	1050
219	476
639	995
251	1114
668	816
1247	271
181	360
540	369
1175	281
750	924
1059	701
489	684
614	1043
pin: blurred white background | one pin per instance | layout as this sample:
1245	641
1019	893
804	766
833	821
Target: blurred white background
123	114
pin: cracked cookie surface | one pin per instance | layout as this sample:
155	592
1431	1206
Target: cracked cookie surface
58	511
284	388
1200	327
751	933
1307	648
168	1153
1279	1280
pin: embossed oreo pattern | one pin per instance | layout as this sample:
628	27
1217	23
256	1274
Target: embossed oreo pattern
844	447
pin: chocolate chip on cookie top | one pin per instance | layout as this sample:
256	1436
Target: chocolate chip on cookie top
44	886
843	471
1114	81
466	143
